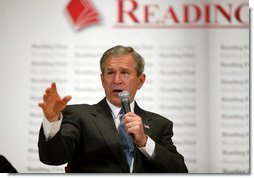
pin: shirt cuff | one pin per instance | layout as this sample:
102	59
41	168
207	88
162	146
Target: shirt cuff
148	150
51	128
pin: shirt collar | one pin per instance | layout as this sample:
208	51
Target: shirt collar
115	110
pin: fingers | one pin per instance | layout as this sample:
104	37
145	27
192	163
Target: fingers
134	126
51	96
131	117
133	123
49	91
45	96
66	99
53	87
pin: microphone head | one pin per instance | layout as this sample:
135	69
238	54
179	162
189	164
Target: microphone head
124	95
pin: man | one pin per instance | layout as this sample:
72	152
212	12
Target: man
90	137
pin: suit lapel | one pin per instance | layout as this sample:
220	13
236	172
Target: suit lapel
106	125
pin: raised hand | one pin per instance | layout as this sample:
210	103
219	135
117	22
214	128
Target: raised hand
52	103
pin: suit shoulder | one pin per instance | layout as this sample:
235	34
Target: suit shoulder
157	117
77	107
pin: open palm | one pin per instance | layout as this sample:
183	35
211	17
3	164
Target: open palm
53	103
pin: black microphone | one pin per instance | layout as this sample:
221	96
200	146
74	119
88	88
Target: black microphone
125	99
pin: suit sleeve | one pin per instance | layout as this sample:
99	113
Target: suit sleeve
166	156
59	149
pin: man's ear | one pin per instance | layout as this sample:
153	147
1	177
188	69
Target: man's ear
141	79
102	80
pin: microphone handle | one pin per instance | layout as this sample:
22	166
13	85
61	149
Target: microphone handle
126	109
126	106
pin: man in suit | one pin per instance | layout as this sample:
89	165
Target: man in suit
87	136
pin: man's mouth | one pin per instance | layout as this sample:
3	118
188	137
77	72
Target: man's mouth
117	91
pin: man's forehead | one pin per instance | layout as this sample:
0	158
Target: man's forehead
120	60
120	56
117	68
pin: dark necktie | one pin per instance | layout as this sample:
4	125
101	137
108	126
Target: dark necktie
127	140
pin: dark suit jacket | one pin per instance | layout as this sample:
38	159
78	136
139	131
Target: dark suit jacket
6	166
88	141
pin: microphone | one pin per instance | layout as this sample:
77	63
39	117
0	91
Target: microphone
125	99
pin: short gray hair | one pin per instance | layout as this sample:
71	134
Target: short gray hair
123	50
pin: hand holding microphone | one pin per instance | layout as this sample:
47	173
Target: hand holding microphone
133	123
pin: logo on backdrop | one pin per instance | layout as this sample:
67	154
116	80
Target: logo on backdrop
82	13
169	14
163	14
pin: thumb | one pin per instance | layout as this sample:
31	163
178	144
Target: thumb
66	99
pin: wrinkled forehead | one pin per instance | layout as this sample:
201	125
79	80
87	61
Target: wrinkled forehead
126	60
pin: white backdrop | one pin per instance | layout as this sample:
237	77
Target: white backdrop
197	76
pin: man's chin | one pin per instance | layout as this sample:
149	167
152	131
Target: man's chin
116	101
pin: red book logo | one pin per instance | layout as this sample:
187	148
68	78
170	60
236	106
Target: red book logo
82	13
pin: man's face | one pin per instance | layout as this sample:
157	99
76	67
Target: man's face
119	75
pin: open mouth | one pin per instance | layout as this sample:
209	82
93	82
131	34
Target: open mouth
117	91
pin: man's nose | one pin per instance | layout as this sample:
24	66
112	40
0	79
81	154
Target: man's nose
117	79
